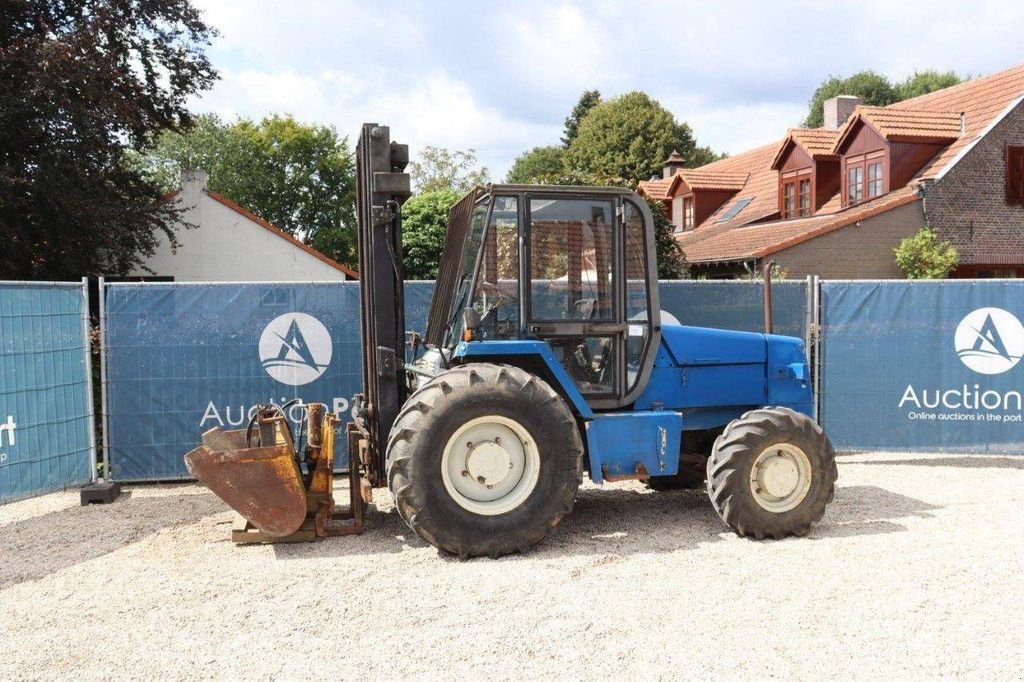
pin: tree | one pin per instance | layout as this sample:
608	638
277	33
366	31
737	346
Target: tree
438	168
923	82
630	137
82	82
672	263
875	89
536	164
925	256
300	177
424	225
588	100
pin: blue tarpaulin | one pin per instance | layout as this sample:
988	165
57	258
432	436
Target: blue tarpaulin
926	365
45	389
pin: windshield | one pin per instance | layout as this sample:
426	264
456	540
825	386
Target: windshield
466	267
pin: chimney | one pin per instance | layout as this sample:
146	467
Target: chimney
673	163
193	182
838	110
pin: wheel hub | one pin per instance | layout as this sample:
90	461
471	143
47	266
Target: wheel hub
780	477
488	463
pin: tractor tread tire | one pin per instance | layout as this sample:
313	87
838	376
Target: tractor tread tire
732	458
425	424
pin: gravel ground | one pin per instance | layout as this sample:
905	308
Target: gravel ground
914	572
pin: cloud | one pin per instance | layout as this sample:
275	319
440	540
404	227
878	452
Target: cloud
501	77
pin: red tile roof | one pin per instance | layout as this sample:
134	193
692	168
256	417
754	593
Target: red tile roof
655	189
817	142
762	239
282	234
982	101
707	178
902	124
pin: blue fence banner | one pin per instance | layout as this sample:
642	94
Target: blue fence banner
925	365
736	304
184	358
46	427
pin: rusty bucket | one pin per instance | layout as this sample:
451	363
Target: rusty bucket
262	483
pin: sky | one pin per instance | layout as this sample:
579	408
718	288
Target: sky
500	77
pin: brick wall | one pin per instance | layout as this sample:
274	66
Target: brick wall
968	206
861	251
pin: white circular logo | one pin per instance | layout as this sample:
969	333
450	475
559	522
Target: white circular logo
989	340
295	348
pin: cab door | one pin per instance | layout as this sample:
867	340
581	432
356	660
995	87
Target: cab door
573	289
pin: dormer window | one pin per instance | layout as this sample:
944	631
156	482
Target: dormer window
808	171
883	147
697	193
688	213
855	184
797	194
865	176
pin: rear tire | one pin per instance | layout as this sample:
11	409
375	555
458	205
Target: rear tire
771	473
484	460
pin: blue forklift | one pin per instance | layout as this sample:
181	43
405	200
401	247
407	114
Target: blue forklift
545	357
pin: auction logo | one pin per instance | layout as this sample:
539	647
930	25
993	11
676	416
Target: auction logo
989	340
295	349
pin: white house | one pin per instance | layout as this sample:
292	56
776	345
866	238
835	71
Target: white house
231	244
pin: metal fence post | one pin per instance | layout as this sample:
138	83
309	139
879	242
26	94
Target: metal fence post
104	411
817	334
90	402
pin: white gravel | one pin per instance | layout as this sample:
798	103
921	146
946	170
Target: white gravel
915	572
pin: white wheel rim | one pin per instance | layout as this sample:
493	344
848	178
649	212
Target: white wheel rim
780	477
490	465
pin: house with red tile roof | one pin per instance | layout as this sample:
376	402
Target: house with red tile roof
835	201
220	241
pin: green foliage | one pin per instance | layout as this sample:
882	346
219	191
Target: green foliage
81	83
299	177
672	263
876	90
588	100
439	169
923	82
630	137
925	256
424	225
536	164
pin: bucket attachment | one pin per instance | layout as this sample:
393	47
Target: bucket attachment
257	472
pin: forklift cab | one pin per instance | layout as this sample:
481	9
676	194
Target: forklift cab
571	266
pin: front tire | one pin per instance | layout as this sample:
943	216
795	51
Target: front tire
771	473
484	460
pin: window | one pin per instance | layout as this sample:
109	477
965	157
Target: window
677	213
865	177
688	214
796	194
789	200
734	209
571	259
637	295
875	179
1015	176
855	184
571	288
805	198
496	292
